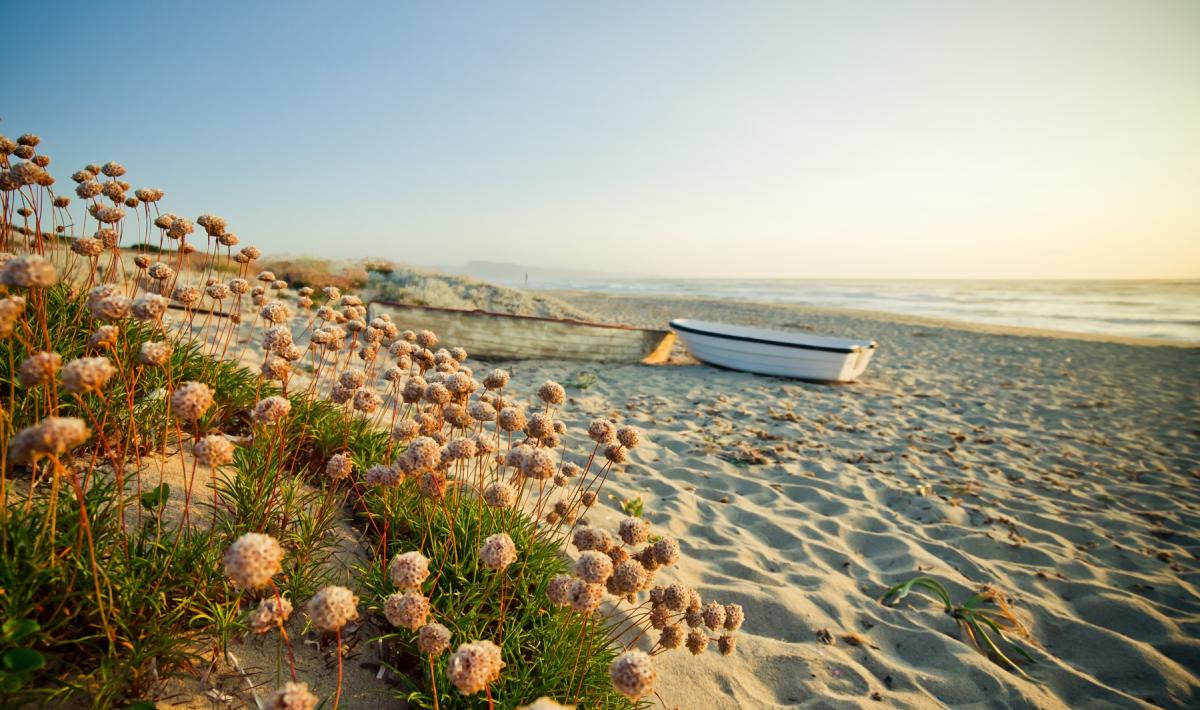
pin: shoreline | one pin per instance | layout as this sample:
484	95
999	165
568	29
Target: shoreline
576	295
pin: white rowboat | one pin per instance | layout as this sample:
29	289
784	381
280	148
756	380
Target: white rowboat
775	352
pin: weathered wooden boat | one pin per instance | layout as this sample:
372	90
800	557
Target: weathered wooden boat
502	336
776	352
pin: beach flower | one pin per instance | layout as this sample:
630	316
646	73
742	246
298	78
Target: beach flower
405	430
672	636
39	369
629	436
88	247
634	531
500	495
676	597
588	538
252	560
154	353
87	374
432	485
714	615
53	436
275	368
332	608
697	641
584	597
460	449
28	271
726	644
666	551
270	614
559	589
271	410
292	696
511	419
275	312
433	639
632	674
593	567
339	466
627	577
409	570
497	552
538	464
552	393
602	431
734	617
191	400
383	475
406	611
149	307
426	339
213	450
659	616
587	498
11	309
110	308
276	338
615	453
474	665
187	295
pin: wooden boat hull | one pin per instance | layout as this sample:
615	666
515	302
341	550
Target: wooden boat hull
778	353
501	336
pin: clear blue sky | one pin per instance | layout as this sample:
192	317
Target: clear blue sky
788	139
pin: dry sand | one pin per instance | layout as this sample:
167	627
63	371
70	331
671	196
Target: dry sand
1061	470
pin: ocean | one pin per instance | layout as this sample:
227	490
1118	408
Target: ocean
1167	310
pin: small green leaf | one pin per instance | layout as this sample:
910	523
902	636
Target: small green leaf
17	629
156	497
22	660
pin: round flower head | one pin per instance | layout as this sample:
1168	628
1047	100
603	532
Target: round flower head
105	337
276	338
713	615
511	419
270	410
352	379
332	608
160	271
615	453
86	246
180	228
406	611
538	464
500	495
432	485
53	436
187	295
635	531
627	577
589	538
460	449
498	552
540	426
629	436
552	393
726	645
672	636
110	309
191	400
275	312
424	452
39	369
584	597
154	353
270	614
697	641
496	379
666	551
409	570
587	498
433	639
87	374
382	475
28	271
474	665
338	467
676	597
113	169
239	286
149	307
405	430
292	696
593	567
252	560
11	309
559	589
275	368
367	401
632	674
213	450
426	339
602	431
108	215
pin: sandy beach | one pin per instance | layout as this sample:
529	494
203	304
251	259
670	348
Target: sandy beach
1059	469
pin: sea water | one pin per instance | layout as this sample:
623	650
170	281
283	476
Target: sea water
1145	309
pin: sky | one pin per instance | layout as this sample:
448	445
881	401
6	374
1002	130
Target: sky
842	139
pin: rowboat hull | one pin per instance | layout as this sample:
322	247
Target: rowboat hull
778	353
501	336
